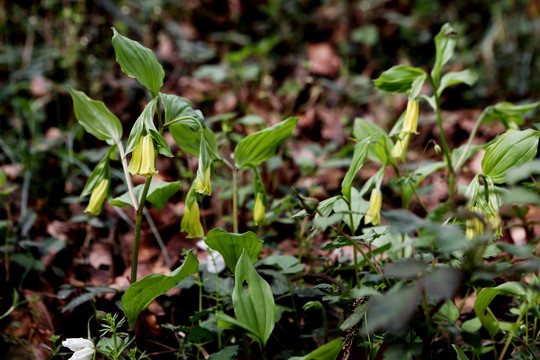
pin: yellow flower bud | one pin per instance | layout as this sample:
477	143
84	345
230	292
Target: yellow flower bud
143	158
191	222
97	198
401	145
259	210
373	213
411	117
203	186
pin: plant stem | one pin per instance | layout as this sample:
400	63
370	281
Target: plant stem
469	141
234	171
509	339
127	177
137	235
446	150
235	200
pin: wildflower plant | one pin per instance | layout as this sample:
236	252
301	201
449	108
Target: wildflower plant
145	143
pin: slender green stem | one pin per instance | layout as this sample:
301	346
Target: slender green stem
137	235
509	339
235	200
234	171
446	149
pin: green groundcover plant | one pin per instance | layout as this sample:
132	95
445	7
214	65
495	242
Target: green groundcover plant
403	294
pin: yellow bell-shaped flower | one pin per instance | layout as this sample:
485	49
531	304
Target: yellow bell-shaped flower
191	222
259	210
97	197
143	158
373	213
410	123
204	186
401	145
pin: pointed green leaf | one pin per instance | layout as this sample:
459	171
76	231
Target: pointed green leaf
141	293
189	140
380	145
509	150
142	125
100	172
179	110
158	194
262	145
445	43
468	77
256	307
95	117
231	246
138	62
398	79
359	156
329	351
460	353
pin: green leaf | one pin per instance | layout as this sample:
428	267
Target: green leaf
100	172
158	194
508	112
189	140
138	62
459	352
405	269
445	42
485	297
509	150
232	246
416	178
450	311
262	145
141	293
227	353
329	351
179	110
398	79
380	145
359	156
144	125
95	117
468	77
254	308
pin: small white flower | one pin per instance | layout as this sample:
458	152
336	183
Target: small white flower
83	348
214	261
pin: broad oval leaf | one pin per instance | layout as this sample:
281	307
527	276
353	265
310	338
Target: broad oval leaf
231	246
138	62
380	145
509	150
262	145
189	140
141	293
256	307
95	117
158	194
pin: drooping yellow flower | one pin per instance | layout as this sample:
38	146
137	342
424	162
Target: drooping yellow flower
474	226
259	210
401	145
373	213
191	222
410	123
143	158
204	186
97	198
